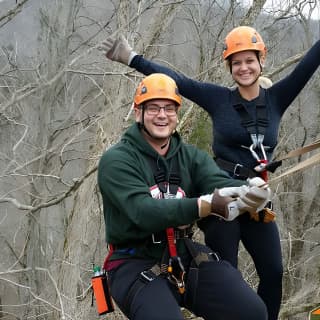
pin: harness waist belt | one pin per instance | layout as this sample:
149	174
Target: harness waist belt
160	237
156	238
237	169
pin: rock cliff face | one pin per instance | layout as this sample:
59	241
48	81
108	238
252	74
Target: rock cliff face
62	104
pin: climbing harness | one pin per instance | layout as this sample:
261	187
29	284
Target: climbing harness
168	187
170	266
256	129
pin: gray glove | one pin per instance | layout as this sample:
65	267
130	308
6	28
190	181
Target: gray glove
221	203
118	50
257	196
228	203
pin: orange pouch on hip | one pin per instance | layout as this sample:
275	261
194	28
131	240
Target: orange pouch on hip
102	294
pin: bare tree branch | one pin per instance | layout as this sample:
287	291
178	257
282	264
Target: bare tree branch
253	13
4	19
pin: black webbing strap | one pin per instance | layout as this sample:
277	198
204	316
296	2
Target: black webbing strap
236	169
202	255
256	128
144	278
161	179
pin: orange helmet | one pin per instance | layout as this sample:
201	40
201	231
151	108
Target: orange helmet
157	86
241	39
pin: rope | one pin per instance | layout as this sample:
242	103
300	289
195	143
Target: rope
312	161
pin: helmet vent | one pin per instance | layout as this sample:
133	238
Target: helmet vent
144	90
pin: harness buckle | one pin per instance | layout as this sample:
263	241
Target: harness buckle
147	275
214	256
154	240
236	170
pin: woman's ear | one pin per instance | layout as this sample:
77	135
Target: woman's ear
262	61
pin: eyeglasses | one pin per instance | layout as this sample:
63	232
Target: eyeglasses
153	110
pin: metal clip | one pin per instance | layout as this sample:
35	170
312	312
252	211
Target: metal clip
177	273
148	275
215	256
154	239
254	154
238	165
263	152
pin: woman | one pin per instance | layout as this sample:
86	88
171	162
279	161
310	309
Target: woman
245	129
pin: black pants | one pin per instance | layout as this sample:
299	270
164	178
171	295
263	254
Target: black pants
262	242
222	294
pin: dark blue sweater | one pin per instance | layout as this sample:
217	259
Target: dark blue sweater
229	135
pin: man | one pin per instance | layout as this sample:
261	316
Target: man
154	188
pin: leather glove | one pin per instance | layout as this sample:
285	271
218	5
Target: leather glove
262	214
118	50
228	203
257	182
257	196
221	203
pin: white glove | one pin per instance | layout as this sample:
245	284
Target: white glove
118	50
228	203
257	196
221	203
234	192
257	182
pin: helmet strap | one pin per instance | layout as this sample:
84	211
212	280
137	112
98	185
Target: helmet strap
253	82
229	63
141	124
163	146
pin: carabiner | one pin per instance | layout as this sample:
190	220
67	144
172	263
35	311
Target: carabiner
261	168
177	273
254	154
263	152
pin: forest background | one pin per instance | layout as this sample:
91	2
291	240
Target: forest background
62	104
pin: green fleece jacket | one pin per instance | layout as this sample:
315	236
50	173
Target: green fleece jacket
125	176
